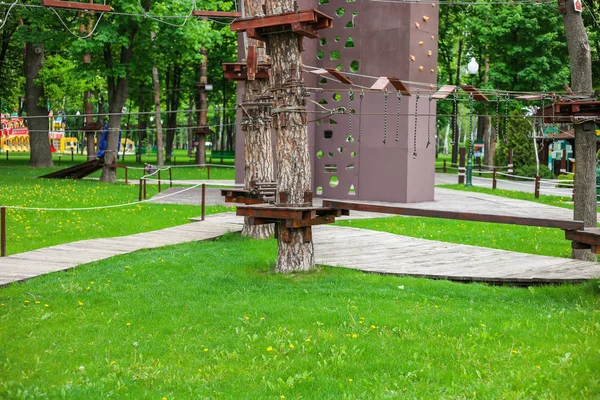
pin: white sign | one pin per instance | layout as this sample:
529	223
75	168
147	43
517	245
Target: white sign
577	5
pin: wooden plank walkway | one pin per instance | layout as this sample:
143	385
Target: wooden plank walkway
360	249
57	258
386	253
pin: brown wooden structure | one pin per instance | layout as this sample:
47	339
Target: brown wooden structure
216	14
303	22
239	71
259	193
74	5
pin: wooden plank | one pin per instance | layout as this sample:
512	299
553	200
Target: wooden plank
326	219
74	5
499	219
277	20
477	95
270	214
338	75
384	81
444	92
588	236
217	14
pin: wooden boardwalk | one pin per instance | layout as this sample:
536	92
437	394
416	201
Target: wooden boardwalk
386	253
360	249
57	258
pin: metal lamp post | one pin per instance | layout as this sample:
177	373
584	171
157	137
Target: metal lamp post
473	68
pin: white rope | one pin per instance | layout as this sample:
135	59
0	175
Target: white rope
69	29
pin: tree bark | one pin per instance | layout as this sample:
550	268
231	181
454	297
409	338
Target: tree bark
455	132
585	138
202	110
257	127
173	82
37	120
293	160
160	160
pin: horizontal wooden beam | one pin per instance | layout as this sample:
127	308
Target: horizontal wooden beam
75	5
463	216
303	22
217	14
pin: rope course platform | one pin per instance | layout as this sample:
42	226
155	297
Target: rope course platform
291	217
564	111
75	5
250	70
259	193
303	22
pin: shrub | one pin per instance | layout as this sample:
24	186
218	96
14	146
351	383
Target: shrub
565	177
531	170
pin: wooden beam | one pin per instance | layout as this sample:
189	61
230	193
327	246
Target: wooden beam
463	216
217	14
74	5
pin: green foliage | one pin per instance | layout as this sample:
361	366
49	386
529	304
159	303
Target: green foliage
531	171
518	138
566	177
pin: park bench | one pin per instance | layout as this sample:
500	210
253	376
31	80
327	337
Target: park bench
580	237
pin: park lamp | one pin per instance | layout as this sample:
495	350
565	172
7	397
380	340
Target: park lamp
472	68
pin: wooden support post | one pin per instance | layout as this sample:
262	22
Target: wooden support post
126	175
145	188
208	169
510	162
59	160
203	200
494	178
159	190
563	162
537	187
3	231
461	165
444	166
141	188
72	157
170	178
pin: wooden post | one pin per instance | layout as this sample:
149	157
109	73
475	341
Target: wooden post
563	162
208	168
203	200
537	187
3	231
170	177
126	175
174	160
72	157
462	153
159	181
494	178
59	160
7	155
444	166
510	162
141	188
145	188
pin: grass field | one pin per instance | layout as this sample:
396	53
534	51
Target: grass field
33	228
210	320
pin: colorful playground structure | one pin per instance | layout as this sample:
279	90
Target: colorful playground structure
14	136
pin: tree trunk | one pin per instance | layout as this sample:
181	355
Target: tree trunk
455	132
172	107
585	138
190	130
257	126
37	120
88	110
160	160
293	160
202	110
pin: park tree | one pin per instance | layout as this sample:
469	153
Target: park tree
585	137
256	123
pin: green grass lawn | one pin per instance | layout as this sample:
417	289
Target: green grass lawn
33	229
210	320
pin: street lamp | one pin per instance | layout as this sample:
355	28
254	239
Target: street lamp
472	68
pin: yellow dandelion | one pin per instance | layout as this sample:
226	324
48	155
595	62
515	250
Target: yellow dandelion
538	367
483	325
373	327
128	324
205	349
515	352
307	340
246	317
349	379
354	336
26	301
282	397
80	302
37	302
291	345
45	305
269	348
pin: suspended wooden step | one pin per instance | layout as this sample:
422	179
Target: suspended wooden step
216	14
334	73
477	95
444	92
385	81
75	5
303	22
